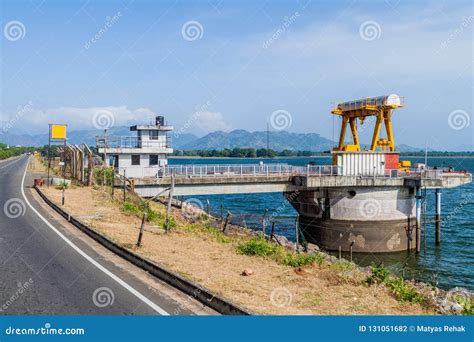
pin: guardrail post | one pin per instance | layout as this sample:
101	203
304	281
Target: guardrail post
142	229
124	186
307	170
170	199
226	221
264	222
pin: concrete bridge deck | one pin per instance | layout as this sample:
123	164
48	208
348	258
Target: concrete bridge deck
233	179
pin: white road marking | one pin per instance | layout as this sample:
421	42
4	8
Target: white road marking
90	259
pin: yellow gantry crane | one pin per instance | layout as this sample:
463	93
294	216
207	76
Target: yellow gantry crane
381	107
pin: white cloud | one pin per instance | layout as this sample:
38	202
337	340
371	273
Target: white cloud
210	121
78	118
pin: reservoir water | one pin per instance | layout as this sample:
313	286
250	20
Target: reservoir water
447	265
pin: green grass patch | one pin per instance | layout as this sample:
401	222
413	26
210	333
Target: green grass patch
403	291
130	208
341	266
379	274
466	303
298	260
257	246
171	223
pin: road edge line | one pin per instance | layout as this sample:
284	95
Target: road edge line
200	293
128	287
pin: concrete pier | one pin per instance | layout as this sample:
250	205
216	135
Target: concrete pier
371	219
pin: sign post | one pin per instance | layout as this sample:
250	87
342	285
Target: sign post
57	133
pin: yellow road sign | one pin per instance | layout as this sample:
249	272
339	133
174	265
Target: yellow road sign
58	132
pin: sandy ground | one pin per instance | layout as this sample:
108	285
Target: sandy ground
271	289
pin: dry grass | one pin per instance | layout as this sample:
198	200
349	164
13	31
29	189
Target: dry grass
214	263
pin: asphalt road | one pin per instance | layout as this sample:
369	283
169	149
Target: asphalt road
46	269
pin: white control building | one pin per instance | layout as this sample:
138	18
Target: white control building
142	155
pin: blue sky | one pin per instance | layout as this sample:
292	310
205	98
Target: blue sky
223	65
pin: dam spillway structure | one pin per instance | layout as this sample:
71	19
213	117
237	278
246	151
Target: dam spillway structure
375	205
367	200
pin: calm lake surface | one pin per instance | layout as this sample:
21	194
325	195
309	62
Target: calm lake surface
448	265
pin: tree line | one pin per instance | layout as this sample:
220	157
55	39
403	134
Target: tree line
243	153
7	152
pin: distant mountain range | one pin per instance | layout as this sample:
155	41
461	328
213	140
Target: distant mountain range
279	140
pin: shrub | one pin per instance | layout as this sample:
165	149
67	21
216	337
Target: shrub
403	291
99	174
257	246
342	266
379	274
153	216
466	303
130	208
172	223
298	260
62	185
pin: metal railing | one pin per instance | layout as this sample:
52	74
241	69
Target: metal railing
213	170
130	142
263	170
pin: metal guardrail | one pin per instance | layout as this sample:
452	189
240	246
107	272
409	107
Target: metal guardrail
229	170
111	141
262	170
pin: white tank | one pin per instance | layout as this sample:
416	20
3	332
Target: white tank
385	100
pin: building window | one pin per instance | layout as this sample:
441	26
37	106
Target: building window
135	159
153	159
153	135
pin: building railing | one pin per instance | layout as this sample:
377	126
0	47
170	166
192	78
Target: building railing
111	141
262	170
